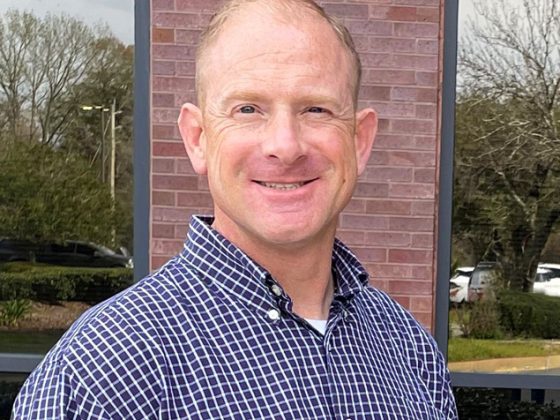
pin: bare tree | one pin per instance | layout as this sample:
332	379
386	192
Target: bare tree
508	120
41	61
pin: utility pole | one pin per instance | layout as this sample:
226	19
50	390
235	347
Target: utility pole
113	150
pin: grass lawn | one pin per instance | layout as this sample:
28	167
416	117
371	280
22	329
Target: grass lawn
465	349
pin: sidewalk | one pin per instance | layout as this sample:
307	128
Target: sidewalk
507	365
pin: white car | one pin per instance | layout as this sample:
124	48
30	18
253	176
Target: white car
547	279
459	285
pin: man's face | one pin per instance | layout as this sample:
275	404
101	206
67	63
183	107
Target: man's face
278	137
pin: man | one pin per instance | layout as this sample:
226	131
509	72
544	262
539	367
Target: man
263	314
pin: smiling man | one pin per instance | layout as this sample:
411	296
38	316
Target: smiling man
264	314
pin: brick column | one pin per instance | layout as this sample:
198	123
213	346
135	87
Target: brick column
391	221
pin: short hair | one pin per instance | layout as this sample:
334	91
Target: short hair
230	7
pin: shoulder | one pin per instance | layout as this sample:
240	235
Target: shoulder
115	352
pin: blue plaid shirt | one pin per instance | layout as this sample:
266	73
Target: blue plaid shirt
211	335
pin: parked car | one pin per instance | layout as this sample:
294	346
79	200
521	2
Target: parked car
68	253
482	276
459	285
547	279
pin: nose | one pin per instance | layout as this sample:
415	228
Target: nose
282	139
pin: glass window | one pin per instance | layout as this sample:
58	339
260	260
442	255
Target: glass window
505	299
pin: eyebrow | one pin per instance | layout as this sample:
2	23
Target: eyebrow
255	96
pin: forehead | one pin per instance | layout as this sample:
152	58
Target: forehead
257	41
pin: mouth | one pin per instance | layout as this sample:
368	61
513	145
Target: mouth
284	186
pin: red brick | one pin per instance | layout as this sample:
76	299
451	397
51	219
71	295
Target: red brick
414	94
187	36
417	2
367	189
387	174
163	198
423	240
412	190
203	183
417	30
164	132
379	284
163	214
410	287
395	141
389	271
193	199
413	126
422	272
392	77
163	166
351	237
173	52
383	125
161	35
346	10
177	20
425	111
425	142
184	167
164	100
376	60
427	175
426	78
361	43
392	45
427	46
378	93
424	318
181	230
365	222
166	247
174	182
403	158
428	14
186	68
427	62
165	115
391	109
368	254
404	301
167	148
157	261
411	224
163	68
198	5
160	230
393	13
163	5
369	27
172	84
390	207
388	239
425	208
421	303
356	205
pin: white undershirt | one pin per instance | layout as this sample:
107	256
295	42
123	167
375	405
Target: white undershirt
319	324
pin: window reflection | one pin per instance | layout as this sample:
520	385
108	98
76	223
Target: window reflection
506	221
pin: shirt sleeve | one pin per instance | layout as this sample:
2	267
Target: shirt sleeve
53	392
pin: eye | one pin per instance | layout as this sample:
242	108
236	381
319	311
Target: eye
247	109
316	110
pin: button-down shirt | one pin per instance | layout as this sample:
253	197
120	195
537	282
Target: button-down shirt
212	335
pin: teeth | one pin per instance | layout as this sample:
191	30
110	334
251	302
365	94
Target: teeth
282	186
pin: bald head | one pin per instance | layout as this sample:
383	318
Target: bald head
289	12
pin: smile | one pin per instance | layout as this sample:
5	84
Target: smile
283	186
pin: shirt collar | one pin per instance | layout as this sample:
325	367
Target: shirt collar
223	265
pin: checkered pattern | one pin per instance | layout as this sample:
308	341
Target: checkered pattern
197	340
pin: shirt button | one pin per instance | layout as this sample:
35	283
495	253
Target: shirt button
273	314
276	290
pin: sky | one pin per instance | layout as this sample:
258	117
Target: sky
118	14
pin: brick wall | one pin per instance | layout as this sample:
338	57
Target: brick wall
391	221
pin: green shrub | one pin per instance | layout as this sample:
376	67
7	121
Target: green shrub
53	283
529	314
12	311
481	321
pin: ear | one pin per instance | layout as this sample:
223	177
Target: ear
194	138
366	128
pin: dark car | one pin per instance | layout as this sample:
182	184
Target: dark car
68	253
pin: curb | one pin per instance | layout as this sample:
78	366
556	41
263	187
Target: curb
513	364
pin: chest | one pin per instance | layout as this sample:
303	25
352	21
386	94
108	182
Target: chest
246	368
